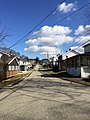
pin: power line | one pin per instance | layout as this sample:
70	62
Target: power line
78	40
72	13
35	26
81	45
21	40
85	42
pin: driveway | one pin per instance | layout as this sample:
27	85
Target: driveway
41	97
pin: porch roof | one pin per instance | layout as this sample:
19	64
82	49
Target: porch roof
84	54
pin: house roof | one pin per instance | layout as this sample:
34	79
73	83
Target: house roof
75	51
84	54
10	59
72	51
86	45
69	55
3	52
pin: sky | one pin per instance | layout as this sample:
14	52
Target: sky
51	37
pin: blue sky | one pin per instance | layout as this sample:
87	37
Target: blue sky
20	16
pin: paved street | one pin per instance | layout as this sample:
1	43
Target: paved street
42	97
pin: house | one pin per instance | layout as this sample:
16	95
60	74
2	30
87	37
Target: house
61	63
76	65
53	61
62	59
44	62
9	66
69	54
87	48
33	62
24	65
79	64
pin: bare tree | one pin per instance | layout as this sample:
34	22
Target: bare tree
3	34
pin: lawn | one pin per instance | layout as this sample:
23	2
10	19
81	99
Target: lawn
13	80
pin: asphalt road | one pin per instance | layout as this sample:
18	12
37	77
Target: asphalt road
42	97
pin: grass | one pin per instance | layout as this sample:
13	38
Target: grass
13	80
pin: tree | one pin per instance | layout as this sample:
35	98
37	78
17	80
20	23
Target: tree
37	59
3	34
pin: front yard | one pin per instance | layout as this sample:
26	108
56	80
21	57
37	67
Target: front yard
13	80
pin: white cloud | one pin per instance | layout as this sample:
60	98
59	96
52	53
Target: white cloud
42	49
55	30
54	40
52	36
65	8
48	38
82	30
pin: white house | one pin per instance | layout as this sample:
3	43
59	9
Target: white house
69	54
24	65
79	64
85	70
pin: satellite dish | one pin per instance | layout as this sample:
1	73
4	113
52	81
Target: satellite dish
4	58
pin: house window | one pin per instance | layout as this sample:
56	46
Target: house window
12	67
9	68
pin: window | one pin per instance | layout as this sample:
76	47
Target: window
9	68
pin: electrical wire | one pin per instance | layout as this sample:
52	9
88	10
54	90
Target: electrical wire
21	40
35	26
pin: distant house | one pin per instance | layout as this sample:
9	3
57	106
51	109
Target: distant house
24	65
79	65
9	66
54	62
32	62
45	62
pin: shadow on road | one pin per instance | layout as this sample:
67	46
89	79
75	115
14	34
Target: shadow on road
65	76
46	88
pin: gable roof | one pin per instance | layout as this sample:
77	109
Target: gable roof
10	60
